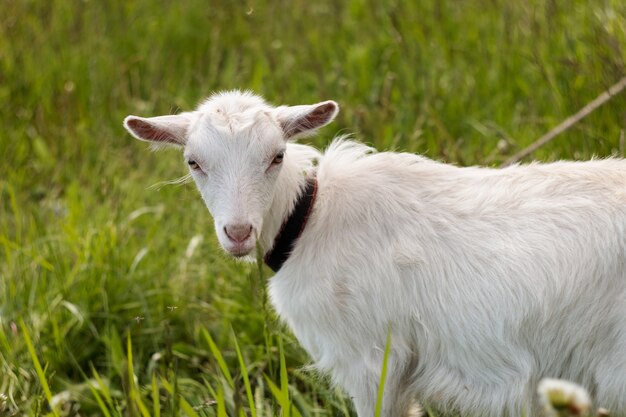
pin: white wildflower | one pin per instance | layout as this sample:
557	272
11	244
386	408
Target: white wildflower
561	398
60	399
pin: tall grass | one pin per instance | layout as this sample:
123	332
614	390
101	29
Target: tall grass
126	300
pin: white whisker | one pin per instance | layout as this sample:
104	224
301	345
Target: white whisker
178	181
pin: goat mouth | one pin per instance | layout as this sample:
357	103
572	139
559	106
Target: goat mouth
239	254
239	251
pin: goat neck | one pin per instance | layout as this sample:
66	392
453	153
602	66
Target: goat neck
298	168
292	227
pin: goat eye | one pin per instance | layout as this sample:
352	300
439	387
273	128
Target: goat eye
193	165
278	158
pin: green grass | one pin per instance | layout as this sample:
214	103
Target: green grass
123	312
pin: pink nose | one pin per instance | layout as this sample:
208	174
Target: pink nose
238	233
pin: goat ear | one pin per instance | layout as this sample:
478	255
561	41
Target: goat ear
165	130
300	121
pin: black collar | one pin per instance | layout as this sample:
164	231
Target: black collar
292	227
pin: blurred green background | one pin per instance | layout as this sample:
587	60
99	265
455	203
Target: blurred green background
92	257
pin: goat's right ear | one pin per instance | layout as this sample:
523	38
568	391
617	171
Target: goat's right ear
300	121
161	130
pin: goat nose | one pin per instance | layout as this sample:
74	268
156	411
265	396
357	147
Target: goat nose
238	232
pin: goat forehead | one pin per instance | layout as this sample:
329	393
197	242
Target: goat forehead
235	110
218	145
253	124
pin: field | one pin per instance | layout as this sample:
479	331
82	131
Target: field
115	299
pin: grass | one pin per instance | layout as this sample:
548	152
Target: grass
127	303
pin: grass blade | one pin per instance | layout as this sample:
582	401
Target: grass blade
156	405
187	408
40	373
218	357
221	404
246	380
279	395
284	381
133	392
101	404
383	376
4	341
103	387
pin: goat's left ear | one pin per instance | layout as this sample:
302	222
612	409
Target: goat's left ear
300	121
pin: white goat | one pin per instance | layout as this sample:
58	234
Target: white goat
490	279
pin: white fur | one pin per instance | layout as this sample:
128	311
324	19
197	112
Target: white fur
490	279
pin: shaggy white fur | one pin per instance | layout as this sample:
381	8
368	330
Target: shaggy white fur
490	279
